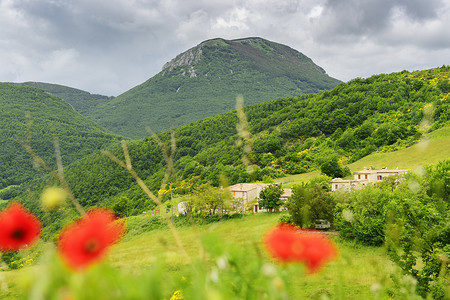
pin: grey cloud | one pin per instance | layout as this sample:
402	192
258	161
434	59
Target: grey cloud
359	18
93	24
110	46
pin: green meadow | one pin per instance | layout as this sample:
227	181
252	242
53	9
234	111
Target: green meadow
353	275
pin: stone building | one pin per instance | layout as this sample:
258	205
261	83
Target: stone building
249	193
363	178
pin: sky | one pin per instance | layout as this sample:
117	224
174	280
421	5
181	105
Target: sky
110	46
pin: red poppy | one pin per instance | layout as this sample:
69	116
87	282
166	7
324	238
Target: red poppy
87	240
19	228
287	243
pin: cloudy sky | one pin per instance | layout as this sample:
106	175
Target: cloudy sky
110	46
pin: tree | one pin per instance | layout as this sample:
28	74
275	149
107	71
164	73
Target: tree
419	230
270	197
362	215
298	206
331	168
211	199
309	204
122	206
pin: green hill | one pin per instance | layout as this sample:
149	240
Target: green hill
431	149
78	136
205	81
80	100
291	135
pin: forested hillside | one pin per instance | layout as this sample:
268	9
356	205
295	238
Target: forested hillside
80	100
205	80
288	136
78	136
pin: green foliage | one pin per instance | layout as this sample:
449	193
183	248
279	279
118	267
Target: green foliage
299	207
321	181
121	207
3	204
332	169
78	136
418	232
12	260
362	215
270	196
96	180
438	184
309	204
286	219
444	85
10	192
207	199
17	260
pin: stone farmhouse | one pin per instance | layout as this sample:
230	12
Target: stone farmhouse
249	193
363	178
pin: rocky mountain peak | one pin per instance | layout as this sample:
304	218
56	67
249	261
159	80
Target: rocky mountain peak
188	58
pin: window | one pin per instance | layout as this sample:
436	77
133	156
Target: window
359	176
379	177
365	176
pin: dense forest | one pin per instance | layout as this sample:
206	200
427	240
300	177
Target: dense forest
48	115
287	136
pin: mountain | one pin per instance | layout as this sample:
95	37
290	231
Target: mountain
290	135
205	81
77	135
81	101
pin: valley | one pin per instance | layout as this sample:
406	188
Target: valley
293	124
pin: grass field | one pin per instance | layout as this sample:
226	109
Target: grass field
351	276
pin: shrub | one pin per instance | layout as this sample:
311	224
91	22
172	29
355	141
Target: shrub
363	215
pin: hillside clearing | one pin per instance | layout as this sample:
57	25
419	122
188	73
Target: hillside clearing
431	149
